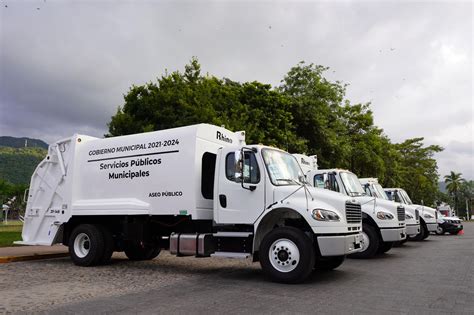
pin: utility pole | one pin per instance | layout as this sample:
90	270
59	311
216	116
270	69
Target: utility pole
467	210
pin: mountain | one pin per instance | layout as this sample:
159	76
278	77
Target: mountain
13	142
17	162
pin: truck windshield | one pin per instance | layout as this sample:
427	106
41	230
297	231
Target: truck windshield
379	192
282	167
352	184
406	197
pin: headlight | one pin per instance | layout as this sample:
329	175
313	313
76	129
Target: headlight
384	215
428	216
325	215
408	216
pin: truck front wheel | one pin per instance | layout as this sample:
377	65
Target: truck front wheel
425	232
287	255
328	263
420	236
385	247
439	230
86	245
370	242
141	251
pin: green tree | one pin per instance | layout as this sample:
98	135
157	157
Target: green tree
306	114
181	99
315	106
453	185
363	141
466	194
417	170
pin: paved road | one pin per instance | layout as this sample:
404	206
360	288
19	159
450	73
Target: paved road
436	276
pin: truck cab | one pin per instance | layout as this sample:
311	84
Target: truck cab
412	217
197	191
383	220
428	216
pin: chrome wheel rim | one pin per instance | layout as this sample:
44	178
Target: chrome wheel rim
364	242
439	230
284	255
82	245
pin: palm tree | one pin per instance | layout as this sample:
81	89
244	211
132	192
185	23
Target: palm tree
453	185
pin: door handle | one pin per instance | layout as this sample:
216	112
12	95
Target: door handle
223	201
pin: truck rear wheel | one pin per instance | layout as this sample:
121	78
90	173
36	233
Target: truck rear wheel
328	263
287	255
86	245
370	243
141	251
108	245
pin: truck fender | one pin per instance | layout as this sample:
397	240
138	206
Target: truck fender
277	217
370	221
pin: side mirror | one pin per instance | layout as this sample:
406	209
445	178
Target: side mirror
244	169
25	195
302	178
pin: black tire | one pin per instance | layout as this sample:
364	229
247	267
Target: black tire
108	246
420	236
384	247
328	263
440	230
93	242
374	243
400	243
453	233
425	233
303	243
140	251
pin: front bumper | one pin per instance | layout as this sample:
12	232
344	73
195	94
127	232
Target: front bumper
339	245
432	227
451	227
413	230
393	235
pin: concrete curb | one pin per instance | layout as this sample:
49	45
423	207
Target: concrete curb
9	259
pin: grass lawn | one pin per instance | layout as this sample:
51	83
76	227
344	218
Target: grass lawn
10	232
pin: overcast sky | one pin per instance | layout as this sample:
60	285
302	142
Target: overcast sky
64	66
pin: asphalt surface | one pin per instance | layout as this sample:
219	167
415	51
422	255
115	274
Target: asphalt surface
434	276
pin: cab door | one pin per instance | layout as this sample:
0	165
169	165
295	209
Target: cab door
240	193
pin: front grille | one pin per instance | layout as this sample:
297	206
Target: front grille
353	213
401	213
417	215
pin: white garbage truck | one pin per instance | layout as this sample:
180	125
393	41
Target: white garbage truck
196	190
412	215
383	221
428	216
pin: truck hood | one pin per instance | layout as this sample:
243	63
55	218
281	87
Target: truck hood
368	204
424	211
322	198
